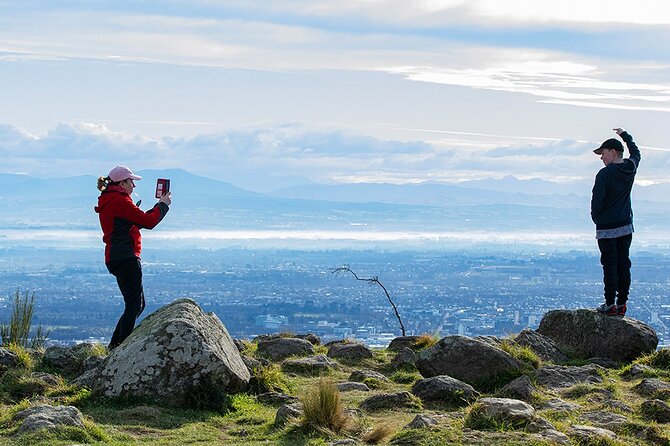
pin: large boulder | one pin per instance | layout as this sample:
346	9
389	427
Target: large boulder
48	417
543	346
349	352
562	377
176	354
445	389
583	334
277	349
470	360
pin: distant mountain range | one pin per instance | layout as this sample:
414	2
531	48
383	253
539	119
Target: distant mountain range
205	203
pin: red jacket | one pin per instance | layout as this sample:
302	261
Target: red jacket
121	222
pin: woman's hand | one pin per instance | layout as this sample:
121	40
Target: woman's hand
167	199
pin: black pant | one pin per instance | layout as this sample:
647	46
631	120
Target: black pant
615	260
128	273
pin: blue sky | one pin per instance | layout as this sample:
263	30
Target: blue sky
333	91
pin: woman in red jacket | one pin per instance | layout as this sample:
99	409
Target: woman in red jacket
121	221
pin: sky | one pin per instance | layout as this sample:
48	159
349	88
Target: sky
272	93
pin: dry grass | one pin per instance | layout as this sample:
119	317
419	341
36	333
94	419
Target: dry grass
425	340
378	434
323	408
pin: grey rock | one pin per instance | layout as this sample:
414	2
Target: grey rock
311	365
362	375
311	337
349	352
48	417
63	359
281	348
405	358
605	420
288	412
401	342
560	405
537	425
637	371
420	422
251	363
92	362
467	359
656	410
176	352
605	363
8	359
445	389
515	412
586	333
561	377
589	434
555	436
388	401
351	386
239	345
617	405
493	341
521	389
651	387
48	378
543	346
276	398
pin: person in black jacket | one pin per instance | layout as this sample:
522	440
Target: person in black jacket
612	213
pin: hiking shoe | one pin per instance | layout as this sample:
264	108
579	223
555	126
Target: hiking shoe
621	310
607	310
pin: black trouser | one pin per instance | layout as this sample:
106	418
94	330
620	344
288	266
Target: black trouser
615	260
128	273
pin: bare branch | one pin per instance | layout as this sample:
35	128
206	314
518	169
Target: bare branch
372	281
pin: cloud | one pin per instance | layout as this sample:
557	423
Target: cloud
253	156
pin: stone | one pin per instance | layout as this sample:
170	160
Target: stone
251	363
537	425
560	405
362	375
311	337
401	342
515	412
8	359
583	334
48	378
543	346
278	349
561	377
521	389
656	410
311	365
637	371
352	386
49	417
276	398
176	354
555	436
617	405
388	401
349	352
472	361
287	412
606	363
62	359
444	389
404	358
420	422
605	420
589	434
239	345
91	362
493	341
652	387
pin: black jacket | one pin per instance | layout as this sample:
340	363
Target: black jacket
610	202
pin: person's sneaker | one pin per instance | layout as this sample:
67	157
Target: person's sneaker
607	310
621	310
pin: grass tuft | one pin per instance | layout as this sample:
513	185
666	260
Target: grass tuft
323	408
425	341
404	377
17	331
378	434
269	379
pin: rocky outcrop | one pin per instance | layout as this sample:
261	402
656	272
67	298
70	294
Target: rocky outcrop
45	416
469	360
561	377
445	389
406	358
8	359
277	349
584	334
176	354
349	352
543	346
652	387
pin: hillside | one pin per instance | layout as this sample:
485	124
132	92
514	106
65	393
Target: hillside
596	401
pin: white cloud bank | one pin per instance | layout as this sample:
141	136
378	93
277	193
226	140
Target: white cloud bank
252	157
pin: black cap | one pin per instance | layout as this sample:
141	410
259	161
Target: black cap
610	144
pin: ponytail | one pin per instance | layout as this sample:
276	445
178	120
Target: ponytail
103	182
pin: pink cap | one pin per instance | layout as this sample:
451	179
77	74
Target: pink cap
120	173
